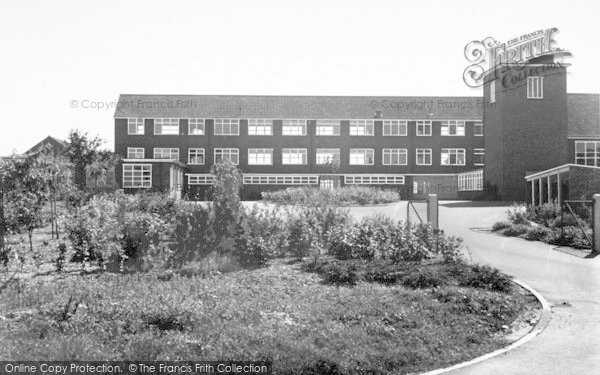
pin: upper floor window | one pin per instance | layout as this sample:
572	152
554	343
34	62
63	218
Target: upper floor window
227	126
587	153
535	87
478	129
423	156
293	156
227	154
137	176
362	127
135	126
327	155
294	127
328	127
394	156
260	127
453	127
260	156
478	156
453	156
166	153
166	126
196	126
362	156
135	153
394	127
423	128
196	156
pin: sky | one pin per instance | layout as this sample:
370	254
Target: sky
62	60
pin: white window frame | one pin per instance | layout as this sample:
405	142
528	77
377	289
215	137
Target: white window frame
584	157
365	152
161	151
196	123
290	154
456	152
426	152
457	125
261	124
376	179
290	127
390	124
135	151
143	176
198	152
279	179
470	181
478	124
477	152
326	124
258	156
360	128
200	179
229	124
394	152
139	124
535	87
425	124
320	160
172	124
229	152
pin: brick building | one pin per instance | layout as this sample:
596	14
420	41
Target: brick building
523	124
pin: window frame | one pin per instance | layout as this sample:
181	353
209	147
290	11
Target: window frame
232	121
535	87
594	156
400	151
171	119
196	120
229	149
355	150
399	123
196	149
269	151
448	124
365	125
137	119
322	121
170	152
450	154
301	123
146	180
478	124
130	149
429	152
304	155
270	125
426	124
338	152
477	152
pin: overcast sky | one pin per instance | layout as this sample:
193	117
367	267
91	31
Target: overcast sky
56	52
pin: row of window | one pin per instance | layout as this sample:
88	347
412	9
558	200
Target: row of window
299	156
224	126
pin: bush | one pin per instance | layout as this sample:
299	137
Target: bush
500	225
423	278
484	277
331	197
538	233
516	230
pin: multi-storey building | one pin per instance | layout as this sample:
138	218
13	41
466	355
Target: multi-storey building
417	145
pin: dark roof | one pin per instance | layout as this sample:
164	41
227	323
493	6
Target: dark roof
584	115
307	107
57	145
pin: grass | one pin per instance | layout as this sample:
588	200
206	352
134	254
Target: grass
280	312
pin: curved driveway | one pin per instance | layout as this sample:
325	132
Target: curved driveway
570	344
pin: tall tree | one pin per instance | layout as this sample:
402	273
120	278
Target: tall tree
84	152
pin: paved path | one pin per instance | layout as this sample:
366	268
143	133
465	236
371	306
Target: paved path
571	342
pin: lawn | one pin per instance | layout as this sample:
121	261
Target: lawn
281	312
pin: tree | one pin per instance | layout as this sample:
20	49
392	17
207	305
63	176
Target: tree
84	152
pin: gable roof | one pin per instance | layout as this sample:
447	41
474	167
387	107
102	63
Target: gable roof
304	107
57	145
584	115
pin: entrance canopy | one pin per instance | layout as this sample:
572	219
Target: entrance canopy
565	182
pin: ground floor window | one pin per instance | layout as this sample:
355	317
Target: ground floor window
200	179
470	181
359	179
137	176
270	179
587	153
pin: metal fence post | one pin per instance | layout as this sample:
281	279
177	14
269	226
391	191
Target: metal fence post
596	223
432	211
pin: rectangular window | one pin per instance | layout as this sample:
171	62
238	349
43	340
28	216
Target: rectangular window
137	176
478	129
201	179
294	127
294	156
166	153
453	128
470	181
362	127
135	126
227	154
273	179
135	153
479	156
394	127
535	87
358	179
452	156
394	156
260	156
587	153
423	128
423	156
196	126
362	156
327	155
166	126
196	156
260	127
227	126
328	127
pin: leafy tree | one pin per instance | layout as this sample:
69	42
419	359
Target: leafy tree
226	199
84	153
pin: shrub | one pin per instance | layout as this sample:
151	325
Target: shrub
518	215
500	225
60	259
544	214
567	219
192	236
342	273
516	230
303	237
423	278
337	197
484	277
538	233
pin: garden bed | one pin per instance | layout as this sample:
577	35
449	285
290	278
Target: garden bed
344	196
